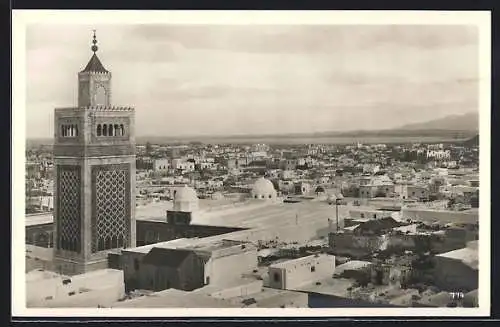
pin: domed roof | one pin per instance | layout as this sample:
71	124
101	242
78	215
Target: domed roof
263	186
185	194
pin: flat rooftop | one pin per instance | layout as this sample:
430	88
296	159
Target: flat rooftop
269	215
351	265
228	213
40	274
268	298
328	286
219	245
39	219
39	252
308	258
172	298
101	274
229	284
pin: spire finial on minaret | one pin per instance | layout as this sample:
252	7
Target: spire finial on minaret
94	41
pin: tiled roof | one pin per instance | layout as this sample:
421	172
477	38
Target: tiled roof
166	257
379	224
95	65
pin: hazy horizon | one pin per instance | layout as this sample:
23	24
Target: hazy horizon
252	80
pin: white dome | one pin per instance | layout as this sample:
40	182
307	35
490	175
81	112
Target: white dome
185	193
263	189
185	199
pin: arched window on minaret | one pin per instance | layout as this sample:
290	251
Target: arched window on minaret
76	130
122	130
117	130
99	130
62	130
71	130
104	130
110	130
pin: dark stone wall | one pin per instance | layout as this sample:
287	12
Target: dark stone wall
149	232
40	235
187	277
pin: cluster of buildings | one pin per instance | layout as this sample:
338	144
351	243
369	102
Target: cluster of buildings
244	225
363	172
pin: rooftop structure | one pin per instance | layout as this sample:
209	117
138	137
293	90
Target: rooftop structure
172	298
93	289
293	273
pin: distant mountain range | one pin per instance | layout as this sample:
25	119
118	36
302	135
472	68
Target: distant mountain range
461	126
454	127
465	122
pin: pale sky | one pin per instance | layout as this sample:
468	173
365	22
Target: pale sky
219	80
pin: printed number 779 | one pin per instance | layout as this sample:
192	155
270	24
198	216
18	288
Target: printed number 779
457	295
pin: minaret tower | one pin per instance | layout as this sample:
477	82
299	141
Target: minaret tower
94	158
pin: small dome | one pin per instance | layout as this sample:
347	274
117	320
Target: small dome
262	186
185	199
263	189
185	194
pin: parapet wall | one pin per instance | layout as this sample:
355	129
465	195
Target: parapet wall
442	216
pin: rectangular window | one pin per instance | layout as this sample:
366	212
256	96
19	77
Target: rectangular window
313	268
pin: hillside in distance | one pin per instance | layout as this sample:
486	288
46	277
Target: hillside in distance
465	122
450	128
454	126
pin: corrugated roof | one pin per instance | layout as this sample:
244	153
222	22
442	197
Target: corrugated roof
94	65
